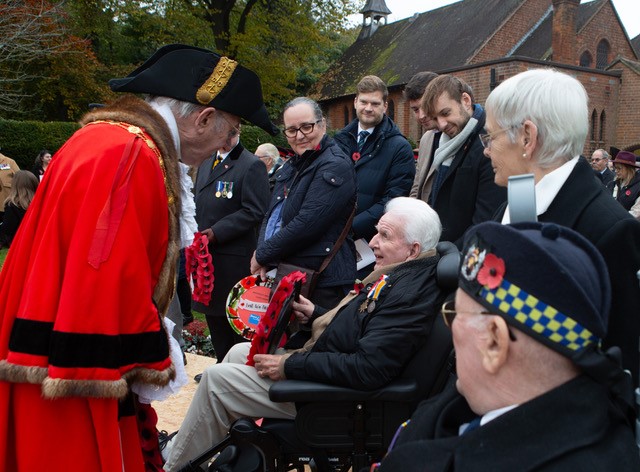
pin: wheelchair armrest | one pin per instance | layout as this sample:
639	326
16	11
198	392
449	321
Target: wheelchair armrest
398	390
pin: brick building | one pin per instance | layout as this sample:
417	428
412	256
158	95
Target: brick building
485	42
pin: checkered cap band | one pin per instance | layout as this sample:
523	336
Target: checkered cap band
538	316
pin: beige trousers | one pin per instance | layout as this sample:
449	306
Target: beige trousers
227	391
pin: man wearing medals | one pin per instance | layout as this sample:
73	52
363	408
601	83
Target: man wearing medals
232	194
364	342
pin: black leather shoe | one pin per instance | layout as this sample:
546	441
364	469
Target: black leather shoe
197	378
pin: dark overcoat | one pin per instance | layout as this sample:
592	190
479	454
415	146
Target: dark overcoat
468	195
583	205
606	177
385	170
573	427
367	348
316	193
234	220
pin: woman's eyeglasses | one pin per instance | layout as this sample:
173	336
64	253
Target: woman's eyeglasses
305	129
486	139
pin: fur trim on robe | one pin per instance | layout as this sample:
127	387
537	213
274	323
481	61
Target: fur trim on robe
92	268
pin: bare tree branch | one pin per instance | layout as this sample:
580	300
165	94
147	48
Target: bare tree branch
31	31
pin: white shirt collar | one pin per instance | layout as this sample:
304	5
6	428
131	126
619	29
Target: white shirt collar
368	130
167	115
488	416
493	414
548	187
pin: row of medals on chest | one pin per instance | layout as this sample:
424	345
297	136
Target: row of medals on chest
224	189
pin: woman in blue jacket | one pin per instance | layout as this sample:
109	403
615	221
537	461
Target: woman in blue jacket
313	197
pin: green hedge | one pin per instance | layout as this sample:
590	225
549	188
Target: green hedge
23	140
252	137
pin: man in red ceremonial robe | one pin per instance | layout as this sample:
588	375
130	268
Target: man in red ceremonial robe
91	271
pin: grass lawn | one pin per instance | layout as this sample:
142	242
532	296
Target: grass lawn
199	316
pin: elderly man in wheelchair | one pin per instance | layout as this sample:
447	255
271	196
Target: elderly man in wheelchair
357	357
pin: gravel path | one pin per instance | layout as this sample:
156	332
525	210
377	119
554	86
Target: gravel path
173	409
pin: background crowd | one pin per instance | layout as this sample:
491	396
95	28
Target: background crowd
114	208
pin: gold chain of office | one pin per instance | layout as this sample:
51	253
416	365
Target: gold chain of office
137	131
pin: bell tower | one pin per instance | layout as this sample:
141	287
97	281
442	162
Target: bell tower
374	15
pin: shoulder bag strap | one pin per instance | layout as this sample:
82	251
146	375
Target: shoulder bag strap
339	242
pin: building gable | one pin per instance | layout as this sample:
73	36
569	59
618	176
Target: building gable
486	42
398	50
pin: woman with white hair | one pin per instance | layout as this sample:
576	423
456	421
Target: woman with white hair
537	122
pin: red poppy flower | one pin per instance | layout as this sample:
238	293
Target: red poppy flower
355	156
259	342
628	192
248	282
492	271
357	287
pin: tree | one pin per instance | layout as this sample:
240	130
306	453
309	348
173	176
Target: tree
32	30
56	56
287	42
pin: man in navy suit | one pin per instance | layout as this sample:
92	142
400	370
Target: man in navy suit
231	200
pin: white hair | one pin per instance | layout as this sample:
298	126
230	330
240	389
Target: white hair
555	102
421	222
269	149
180	108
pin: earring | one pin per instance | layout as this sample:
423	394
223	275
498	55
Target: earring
524	155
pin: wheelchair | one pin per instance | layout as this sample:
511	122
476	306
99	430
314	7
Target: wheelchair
337	428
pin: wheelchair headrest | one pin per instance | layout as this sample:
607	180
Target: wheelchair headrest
448	265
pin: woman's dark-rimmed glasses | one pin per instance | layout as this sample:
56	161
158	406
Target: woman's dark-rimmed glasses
305	129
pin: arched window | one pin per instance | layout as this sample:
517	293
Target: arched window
602	56
603	122
586	59
391	112
594	120
346	115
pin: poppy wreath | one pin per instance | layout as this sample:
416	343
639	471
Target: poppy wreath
285	290
245	284
199	267
234	299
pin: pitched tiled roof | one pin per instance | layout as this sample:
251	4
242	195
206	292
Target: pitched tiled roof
435	40
538	44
